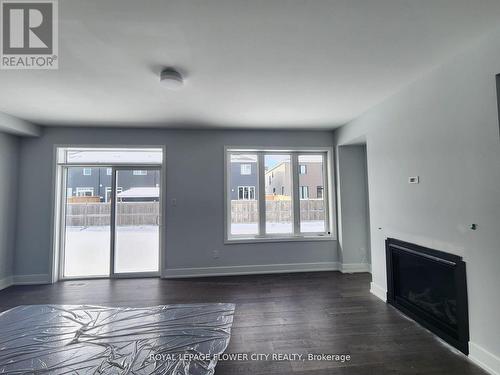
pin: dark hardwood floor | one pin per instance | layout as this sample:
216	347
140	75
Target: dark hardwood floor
322	312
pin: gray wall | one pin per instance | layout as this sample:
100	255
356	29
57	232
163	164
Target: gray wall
443	128
354	231
195	173
9	152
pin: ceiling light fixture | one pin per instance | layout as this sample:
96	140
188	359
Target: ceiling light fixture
171	78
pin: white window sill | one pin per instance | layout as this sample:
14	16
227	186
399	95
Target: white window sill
243	240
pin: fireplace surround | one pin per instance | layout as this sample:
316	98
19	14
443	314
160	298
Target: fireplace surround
429	286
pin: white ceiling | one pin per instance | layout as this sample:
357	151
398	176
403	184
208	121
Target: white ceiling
248	63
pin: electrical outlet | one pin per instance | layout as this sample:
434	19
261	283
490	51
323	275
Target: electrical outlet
215	254
174	202
413	180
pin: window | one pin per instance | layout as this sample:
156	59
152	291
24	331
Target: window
81	155
285	197
246	193
319	192
87	171
304	192
139	173
313	210
245	169
84	191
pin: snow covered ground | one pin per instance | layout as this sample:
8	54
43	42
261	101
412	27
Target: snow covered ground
87	250
252	228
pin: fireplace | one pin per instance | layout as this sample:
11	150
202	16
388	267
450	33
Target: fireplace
430	287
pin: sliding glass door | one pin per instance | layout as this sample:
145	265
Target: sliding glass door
111	219
136	221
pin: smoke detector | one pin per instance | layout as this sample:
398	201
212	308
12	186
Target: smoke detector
171	78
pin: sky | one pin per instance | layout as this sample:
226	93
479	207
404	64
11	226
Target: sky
273	160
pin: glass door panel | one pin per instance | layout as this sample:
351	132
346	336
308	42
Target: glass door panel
137	221
87	214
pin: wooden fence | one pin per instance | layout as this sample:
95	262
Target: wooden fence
147	213
98	214
276	211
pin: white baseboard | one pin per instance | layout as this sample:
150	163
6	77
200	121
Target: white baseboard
31	279
378	291
355	267
484	359
250	270
6	282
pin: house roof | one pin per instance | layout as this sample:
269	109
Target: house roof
140	192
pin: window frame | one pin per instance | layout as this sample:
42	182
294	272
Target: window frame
58	197
328	194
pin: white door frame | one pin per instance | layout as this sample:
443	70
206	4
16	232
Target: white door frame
58	241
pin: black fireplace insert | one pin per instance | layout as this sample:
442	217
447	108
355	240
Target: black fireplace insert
429	286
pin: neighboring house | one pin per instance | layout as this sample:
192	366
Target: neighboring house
278	181
310	179
96	181
243	177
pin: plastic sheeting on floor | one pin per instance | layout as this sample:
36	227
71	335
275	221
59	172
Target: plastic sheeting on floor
67	339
